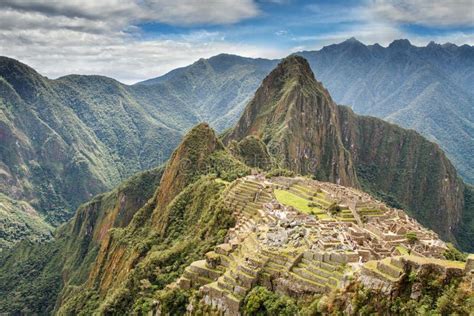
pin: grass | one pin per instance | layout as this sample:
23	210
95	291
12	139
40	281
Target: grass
294	200
301	204
219	180
444	263
402	250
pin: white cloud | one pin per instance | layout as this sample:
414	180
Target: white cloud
440	13
98	37
60	52
188	12
182	12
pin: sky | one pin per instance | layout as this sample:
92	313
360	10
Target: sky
133	40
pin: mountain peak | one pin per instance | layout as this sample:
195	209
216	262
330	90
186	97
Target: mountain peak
400	43
292	113
186	162
295	65
352	40
293	68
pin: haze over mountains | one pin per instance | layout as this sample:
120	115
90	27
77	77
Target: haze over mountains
68	139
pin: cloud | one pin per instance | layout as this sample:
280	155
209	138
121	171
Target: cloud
438	13
59	52
183	12
101	37
189	12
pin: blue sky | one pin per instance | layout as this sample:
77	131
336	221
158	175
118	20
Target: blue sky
132	40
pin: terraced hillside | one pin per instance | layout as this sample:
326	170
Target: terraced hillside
285	244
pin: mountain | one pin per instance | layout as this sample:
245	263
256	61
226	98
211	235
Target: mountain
429	89
217	88
65	140
306	132
202	236
294	116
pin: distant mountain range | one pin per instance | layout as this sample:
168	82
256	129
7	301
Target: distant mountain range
68	139
429	89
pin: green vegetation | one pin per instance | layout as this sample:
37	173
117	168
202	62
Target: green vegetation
20	221
33	275
198	220
452	253
439	295
251	151
402	250
260	301
280	172
334	209
411	237
66	140
290	199
465	230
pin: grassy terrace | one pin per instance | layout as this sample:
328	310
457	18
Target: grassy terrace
317	197
402	250
370	212
290	199
444	263
219	180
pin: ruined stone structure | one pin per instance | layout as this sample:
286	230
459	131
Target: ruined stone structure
299	237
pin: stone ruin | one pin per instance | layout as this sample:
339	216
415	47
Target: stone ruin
298	254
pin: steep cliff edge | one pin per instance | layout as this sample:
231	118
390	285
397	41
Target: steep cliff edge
295	116
185	218
402	166
305	131
32	276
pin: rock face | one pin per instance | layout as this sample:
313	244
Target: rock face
64	263
308	133
295	116
403	165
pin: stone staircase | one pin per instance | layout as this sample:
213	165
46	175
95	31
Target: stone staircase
242	273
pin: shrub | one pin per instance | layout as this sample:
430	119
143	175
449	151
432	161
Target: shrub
260	301
280	172
334	208
454	254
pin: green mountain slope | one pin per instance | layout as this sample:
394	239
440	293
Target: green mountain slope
218	88
34	274
159	218
68	139
428	89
